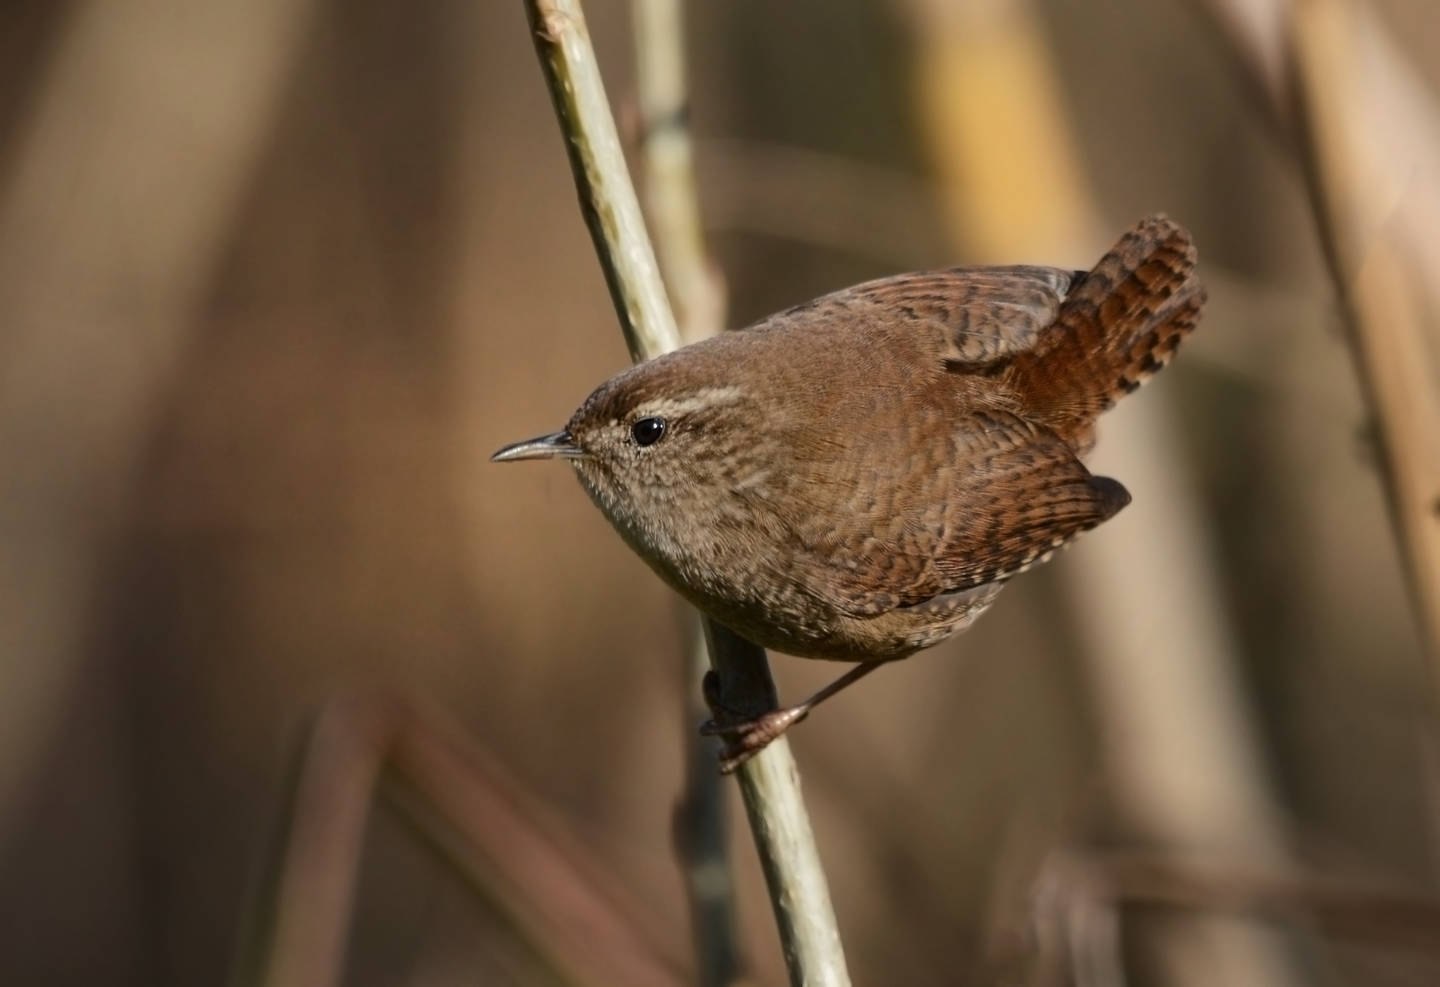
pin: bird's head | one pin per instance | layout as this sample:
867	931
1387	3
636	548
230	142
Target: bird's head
673	451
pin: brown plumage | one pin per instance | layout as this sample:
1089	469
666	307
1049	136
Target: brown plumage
856	478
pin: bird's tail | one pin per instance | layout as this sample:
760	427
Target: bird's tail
1119	324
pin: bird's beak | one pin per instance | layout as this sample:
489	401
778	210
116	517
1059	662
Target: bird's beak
558	445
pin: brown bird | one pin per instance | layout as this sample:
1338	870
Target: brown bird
857	477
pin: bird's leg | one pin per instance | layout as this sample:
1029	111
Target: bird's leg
749	737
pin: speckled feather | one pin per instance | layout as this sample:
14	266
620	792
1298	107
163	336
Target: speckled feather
856	478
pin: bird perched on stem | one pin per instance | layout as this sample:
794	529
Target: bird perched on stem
856	478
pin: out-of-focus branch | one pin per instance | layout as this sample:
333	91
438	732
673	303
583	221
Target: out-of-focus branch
575	919
698	296
769	782
1367	136
1376	205
1396	126
1077	885
702	836
1256	33
672	198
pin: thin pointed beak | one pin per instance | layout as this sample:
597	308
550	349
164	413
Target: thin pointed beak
558	445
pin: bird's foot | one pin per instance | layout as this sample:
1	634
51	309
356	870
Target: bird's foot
749	736
746	738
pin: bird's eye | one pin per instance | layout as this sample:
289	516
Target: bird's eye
647	431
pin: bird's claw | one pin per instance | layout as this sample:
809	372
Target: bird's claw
746	738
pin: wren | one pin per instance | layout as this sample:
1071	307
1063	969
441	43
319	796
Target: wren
856	478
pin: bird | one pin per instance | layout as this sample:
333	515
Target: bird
856	478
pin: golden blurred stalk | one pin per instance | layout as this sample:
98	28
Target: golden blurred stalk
1369	144
1179	751
672	198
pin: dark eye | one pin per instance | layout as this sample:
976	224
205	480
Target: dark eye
647	431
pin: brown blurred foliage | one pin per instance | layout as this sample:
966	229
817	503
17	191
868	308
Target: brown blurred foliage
276	277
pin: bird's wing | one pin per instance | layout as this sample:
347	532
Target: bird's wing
1009	496
982	314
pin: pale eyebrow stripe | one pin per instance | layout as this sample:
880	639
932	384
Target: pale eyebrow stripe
707	397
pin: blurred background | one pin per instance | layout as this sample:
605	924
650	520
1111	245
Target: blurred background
276	278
